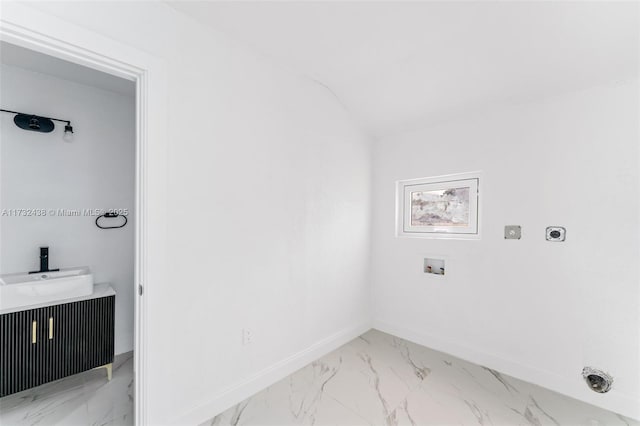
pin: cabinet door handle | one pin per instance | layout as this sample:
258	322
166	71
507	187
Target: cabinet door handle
50	328
34	330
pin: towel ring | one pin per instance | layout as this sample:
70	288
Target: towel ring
111	215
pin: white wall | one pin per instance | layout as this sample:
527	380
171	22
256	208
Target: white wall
534	309
291	261
268	209
95	171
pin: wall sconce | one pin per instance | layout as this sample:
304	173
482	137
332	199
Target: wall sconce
36	123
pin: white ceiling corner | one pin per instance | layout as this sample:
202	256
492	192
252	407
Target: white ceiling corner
17	56
399	64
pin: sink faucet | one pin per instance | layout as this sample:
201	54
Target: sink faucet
44	261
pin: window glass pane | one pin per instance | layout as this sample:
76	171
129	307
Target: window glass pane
441	207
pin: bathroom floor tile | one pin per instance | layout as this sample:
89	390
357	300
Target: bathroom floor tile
82	399
376	379
379	379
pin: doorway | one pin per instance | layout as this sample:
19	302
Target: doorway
89	213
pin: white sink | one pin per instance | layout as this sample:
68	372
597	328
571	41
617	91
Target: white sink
23	289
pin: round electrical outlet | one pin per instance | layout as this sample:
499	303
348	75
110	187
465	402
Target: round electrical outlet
555	233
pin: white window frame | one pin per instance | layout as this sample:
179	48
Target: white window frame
404	188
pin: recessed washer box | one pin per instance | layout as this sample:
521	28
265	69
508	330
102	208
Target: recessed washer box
434	266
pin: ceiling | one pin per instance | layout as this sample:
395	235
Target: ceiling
17	56
399	65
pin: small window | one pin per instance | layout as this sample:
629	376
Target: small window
439	207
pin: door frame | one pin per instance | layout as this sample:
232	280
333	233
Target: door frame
30	28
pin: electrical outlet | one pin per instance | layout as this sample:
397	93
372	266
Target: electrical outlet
247	336
512	232
556	233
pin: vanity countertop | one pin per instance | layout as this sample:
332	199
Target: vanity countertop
99	290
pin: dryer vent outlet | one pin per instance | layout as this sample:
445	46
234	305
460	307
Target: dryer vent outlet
597	380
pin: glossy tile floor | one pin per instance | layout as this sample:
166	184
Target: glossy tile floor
379	379
83	399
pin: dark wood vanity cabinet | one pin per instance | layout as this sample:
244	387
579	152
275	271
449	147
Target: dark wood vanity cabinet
45	344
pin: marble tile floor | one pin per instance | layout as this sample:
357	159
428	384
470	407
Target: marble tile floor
82	399
378	379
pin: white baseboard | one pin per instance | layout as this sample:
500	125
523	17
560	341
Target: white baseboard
270	375
613	401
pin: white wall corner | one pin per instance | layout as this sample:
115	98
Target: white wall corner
248	387
614	401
